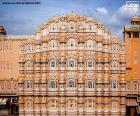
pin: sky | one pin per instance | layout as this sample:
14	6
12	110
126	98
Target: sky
21	19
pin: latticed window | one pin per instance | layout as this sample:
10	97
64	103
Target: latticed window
53	103
114	84
30	63
114	47
115	64
37	85
53	44
90	84
114	104
30	48
44	46
28	84
71	63
37	48
53	84
2	86
89	103
9	85
72	27
44	85
72	104
71	43
53	63
90	63
71	83
89	44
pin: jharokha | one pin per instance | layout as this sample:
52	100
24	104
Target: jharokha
72	66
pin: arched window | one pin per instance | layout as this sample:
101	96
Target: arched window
89	103
29	84
114	85
53	84
71	83
53	103
38	48
28	103
71	43
89	63
71	63
44	46
53	63
71	104
114	47
72	26
90	84
30	48
114	64
53	28
29	63
89	44
114	105
63	25
53	44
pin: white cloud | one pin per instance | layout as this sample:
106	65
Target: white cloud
127	11
121	17
102	10
116	21
122	14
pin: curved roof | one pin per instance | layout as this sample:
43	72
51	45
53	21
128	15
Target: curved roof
72	17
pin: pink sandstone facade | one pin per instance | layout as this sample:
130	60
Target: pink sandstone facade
72	65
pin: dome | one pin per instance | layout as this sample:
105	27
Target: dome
2	30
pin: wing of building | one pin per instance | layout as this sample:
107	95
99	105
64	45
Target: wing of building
9	69
132	42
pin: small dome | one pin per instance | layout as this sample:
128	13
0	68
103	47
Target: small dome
114	38
2	30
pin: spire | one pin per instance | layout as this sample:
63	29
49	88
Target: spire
72	13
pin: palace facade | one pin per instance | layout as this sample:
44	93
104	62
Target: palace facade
72	65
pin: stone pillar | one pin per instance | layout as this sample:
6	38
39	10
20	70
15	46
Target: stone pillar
21	106
43	108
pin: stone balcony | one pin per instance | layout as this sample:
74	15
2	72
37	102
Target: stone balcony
89	91
43	91
53	91
71	91
132	28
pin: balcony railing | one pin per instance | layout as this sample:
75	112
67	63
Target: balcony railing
132	28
